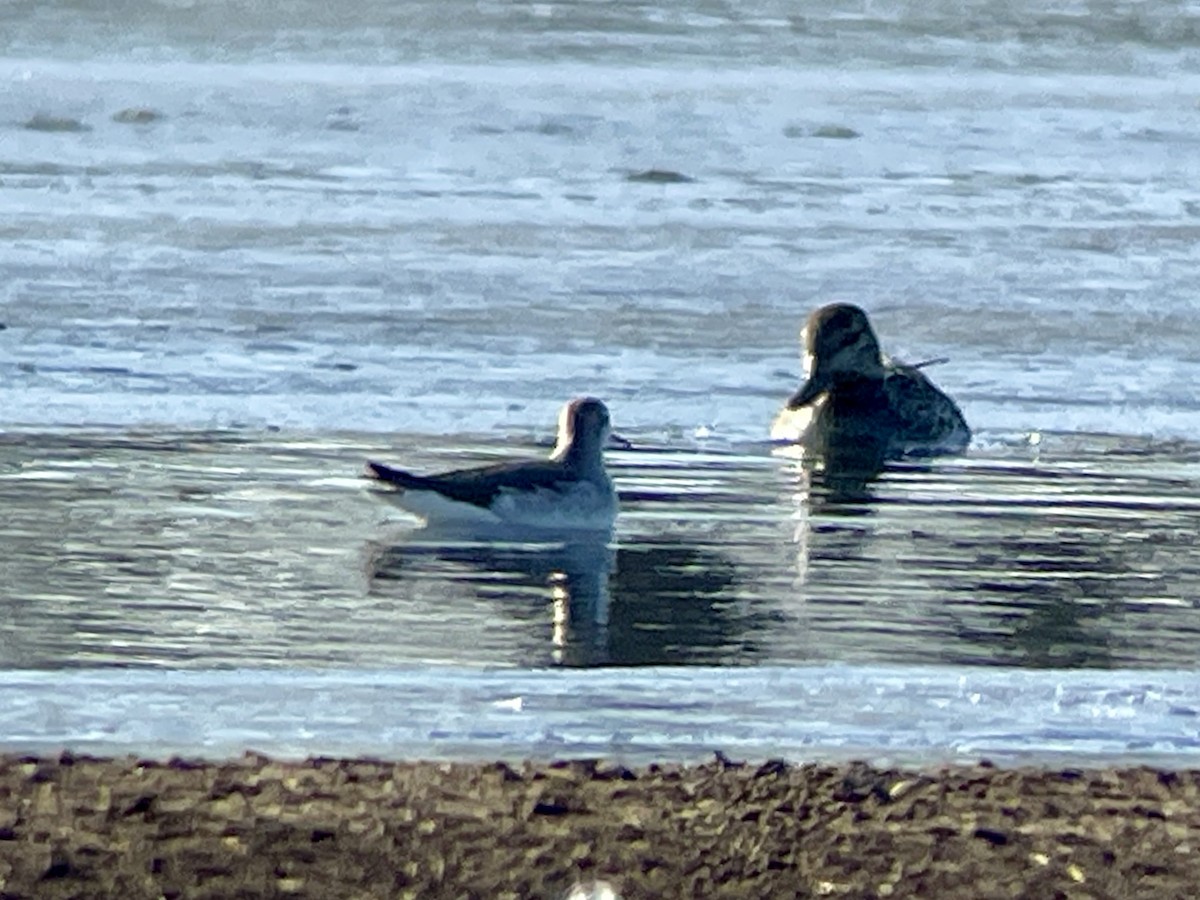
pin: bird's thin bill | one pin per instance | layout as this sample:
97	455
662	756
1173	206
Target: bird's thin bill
808	392
616	442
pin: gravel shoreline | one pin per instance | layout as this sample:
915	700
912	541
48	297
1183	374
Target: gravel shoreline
76	826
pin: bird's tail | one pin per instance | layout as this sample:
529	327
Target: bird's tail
397	477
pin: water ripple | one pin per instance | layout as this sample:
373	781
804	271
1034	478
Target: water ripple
227	549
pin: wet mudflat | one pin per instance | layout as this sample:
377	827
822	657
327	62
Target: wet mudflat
254	827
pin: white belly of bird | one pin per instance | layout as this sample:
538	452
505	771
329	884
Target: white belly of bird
584	506
794	424
434	507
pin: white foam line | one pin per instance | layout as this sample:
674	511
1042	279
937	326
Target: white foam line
917	715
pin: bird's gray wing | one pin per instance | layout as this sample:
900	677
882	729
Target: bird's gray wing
924	413
479	487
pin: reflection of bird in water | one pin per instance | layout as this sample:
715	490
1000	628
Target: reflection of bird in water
857	408
576	575
838	491
830	517
569	491
643	605
674	604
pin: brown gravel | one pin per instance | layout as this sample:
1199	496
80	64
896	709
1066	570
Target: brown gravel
326	828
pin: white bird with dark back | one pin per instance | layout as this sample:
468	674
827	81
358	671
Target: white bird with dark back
569	491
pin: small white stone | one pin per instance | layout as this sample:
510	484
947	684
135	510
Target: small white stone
592	890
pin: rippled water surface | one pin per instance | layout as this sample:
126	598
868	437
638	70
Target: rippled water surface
246	246
203	549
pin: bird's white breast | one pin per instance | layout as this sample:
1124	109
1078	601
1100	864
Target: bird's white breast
584	505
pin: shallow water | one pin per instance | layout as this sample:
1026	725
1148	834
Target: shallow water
898	714
246	247
200	550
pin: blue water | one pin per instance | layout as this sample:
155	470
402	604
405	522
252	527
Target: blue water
890	713
245	247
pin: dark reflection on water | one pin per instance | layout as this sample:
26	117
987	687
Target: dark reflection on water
198	550
657	603
1051	633
1023	564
